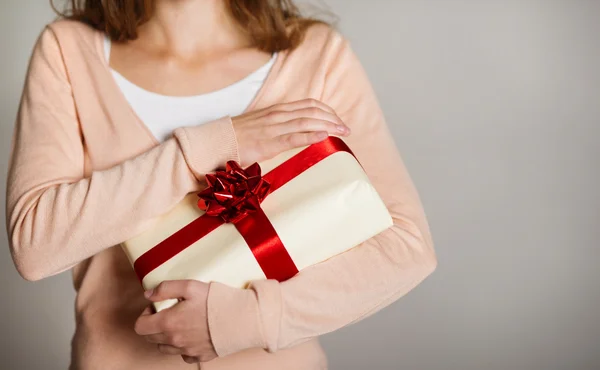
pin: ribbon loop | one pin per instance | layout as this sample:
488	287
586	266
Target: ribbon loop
234	193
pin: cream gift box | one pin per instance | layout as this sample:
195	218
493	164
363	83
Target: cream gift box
326	209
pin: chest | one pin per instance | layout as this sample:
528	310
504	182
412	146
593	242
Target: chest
112	132
162	114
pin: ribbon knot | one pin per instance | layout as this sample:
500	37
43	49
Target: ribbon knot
234	193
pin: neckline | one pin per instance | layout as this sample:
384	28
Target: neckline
273	72
185	98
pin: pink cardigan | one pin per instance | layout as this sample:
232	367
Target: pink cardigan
86	174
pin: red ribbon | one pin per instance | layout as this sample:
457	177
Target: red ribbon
234	195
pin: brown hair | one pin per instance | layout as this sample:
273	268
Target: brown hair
272	25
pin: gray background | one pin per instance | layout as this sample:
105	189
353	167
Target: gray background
495	106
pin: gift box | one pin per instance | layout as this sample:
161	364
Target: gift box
268	221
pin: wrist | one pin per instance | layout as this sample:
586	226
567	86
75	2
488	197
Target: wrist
208	146
233	319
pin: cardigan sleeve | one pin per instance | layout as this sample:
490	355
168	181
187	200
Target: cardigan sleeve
357	283
56	217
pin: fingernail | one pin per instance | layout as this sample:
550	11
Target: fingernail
148	293
342	129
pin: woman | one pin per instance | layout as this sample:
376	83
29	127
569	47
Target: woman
126	106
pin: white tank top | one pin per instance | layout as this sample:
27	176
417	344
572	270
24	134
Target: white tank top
162	114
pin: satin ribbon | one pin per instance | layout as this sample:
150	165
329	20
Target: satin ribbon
235	193
235	199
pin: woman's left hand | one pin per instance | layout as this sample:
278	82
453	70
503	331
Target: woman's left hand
183	328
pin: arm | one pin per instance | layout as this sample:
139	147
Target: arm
55	217
354	284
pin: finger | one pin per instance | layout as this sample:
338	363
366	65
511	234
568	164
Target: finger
190	359
164	321
160	338
296	140
170	350
279	117
170	320
147	311
311	124
150	324
176	289
299	104
308	112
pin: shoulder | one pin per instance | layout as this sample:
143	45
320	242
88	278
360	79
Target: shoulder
70	31
66	51
67	44
321	49
322	34
68	28
69	37
322	38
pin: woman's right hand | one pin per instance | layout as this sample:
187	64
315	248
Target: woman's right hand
264	133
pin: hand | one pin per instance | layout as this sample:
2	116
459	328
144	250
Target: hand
183	328
264	133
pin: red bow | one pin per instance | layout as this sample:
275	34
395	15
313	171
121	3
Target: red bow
234	193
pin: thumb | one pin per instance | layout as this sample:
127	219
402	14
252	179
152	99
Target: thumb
176	289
